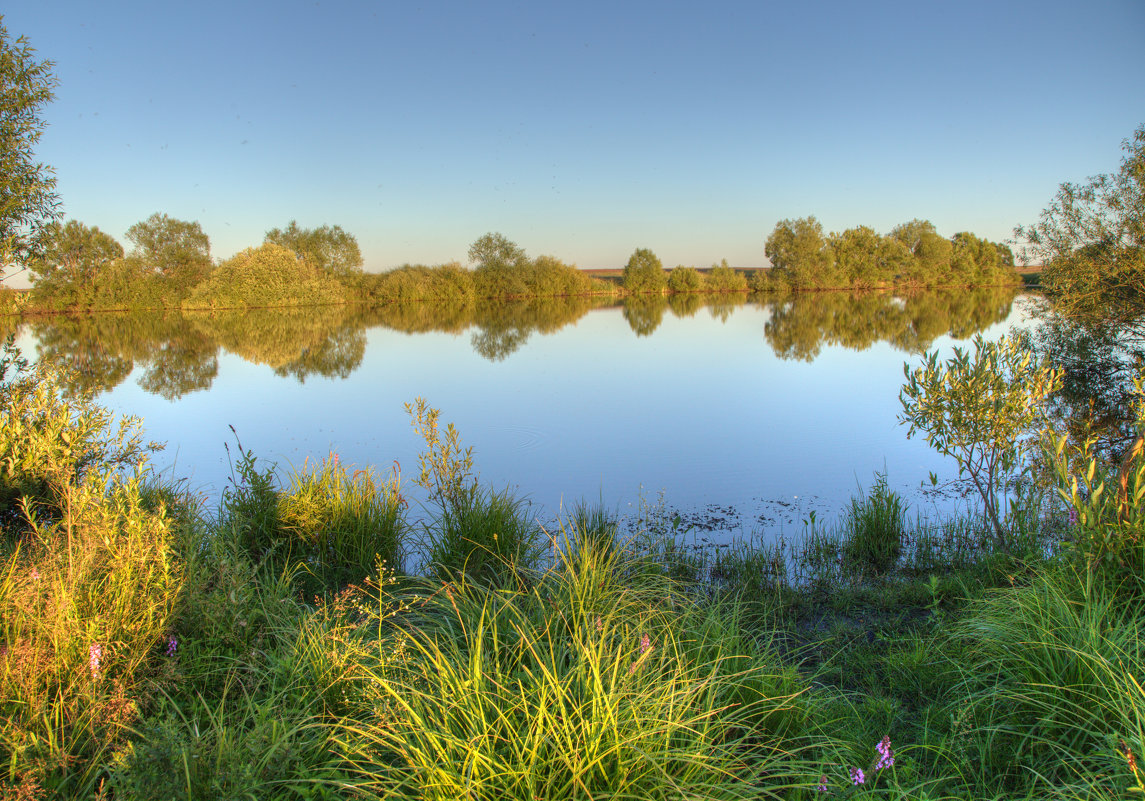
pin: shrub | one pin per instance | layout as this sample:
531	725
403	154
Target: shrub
685	279
644	274
269	275
722	278
980	408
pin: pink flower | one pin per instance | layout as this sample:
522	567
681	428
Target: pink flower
645	644
886	755
857	776
94	654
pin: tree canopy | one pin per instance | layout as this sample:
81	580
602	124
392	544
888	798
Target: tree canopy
73	258
495	250
327	248
1091	242
28	200
913	253
644	273
175	249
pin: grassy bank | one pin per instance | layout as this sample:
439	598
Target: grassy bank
315	638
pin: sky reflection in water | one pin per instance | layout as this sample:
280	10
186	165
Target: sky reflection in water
702	409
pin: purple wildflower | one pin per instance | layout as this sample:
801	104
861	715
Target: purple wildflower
645	644
94	654
822	788
172	644
886	755
857	776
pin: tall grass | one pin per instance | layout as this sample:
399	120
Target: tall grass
1054	682
329	527
876	524
600	680
88	584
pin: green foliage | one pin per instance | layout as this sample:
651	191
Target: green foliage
644	274
1091	242
51	442
73	263
485	536
978	408
178	251
326	530
28	200
327	249
601	681
269	275
684	280
1106	504
88	582
495	250
798	249
341	526
722	278
875	528
912	254
478	535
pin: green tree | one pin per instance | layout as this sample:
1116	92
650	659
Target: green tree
856	253
931	252
327	248
1091	243
799	251
177	250
980	409
502	268
28	200
683	280
644	273
74	257
495	250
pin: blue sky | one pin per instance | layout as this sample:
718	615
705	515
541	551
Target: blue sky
583	130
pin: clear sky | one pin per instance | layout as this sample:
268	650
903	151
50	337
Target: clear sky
580	129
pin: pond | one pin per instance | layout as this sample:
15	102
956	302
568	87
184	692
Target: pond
741	417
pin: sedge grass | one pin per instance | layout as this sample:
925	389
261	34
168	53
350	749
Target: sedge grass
598	681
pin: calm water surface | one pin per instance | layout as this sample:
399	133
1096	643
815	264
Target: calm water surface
747	417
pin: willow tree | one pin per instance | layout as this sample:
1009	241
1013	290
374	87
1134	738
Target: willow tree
28	200
1090	240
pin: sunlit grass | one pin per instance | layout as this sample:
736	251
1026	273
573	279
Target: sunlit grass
151	650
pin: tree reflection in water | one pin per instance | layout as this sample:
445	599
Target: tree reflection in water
178	352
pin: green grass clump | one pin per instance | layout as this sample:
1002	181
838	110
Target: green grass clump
484	536
875	527
328	527
603	680
1053	681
